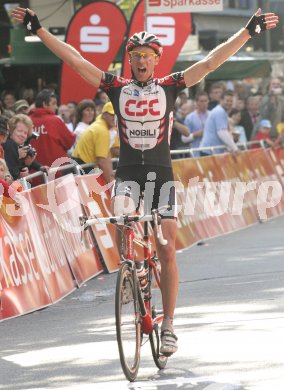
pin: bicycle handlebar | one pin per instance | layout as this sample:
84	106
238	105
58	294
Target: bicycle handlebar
125	219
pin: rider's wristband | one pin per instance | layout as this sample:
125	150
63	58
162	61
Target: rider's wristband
31	22
256	24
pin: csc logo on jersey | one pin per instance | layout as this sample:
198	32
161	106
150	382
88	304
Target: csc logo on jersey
137	108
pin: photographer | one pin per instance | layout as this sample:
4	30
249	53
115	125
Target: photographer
19	155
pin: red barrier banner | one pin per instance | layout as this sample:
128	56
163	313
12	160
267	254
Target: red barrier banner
22	254
219	194
97	203
276	156
97	31
191	225
269	191
172	29
216	194
280	155
59	207
242	201
60	280
247	178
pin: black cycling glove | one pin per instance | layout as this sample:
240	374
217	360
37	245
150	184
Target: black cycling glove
31	22
256	24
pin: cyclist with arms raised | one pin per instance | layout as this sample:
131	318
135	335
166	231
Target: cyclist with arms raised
144	109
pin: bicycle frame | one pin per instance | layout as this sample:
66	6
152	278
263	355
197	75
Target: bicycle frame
147	321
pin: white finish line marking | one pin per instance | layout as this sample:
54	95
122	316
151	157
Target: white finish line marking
150	384
219	386
181	381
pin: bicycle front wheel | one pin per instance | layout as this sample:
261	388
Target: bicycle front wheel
157	316
128	323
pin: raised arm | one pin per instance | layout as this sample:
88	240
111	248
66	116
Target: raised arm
259	22
65	52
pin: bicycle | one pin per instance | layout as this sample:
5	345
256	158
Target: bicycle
136	301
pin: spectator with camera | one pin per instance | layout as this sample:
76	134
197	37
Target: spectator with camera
19	154
54	137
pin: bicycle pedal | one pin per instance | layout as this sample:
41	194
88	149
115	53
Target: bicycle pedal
166	354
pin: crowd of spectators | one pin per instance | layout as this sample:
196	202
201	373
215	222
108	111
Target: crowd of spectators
35	131
230	114
38	135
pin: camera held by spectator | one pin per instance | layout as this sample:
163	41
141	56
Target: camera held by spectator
31	152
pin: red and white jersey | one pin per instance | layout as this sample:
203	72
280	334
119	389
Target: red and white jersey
144	117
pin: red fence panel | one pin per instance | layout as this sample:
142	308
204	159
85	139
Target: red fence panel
22	274
65	202
98	203
242	203
270	191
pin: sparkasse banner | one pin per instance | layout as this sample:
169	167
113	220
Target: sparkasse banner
97	38
166	6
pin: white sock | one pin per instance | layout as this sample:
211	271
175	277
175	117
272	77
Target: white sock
167	324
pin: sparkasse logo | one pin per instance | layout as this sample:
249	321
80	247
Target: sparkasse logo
184	5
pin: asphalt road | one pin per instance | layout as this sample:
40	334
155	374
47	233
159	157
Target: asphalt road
229	320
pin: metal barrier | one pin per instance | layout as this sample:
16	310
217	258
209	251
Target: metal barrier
213	149
25	180
79	169
190	151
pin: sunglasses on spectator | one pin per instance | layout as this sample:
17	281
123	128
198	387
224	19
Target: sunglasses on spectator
136	55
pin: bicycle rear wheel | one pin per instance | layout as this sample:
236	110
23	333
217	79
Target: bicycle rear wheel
157	315
128	323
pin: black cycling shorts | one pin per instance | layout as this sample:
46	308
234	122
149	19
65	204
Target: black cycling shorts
156	183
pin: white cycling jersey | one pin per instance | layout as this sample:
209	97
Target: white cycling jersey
144	117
